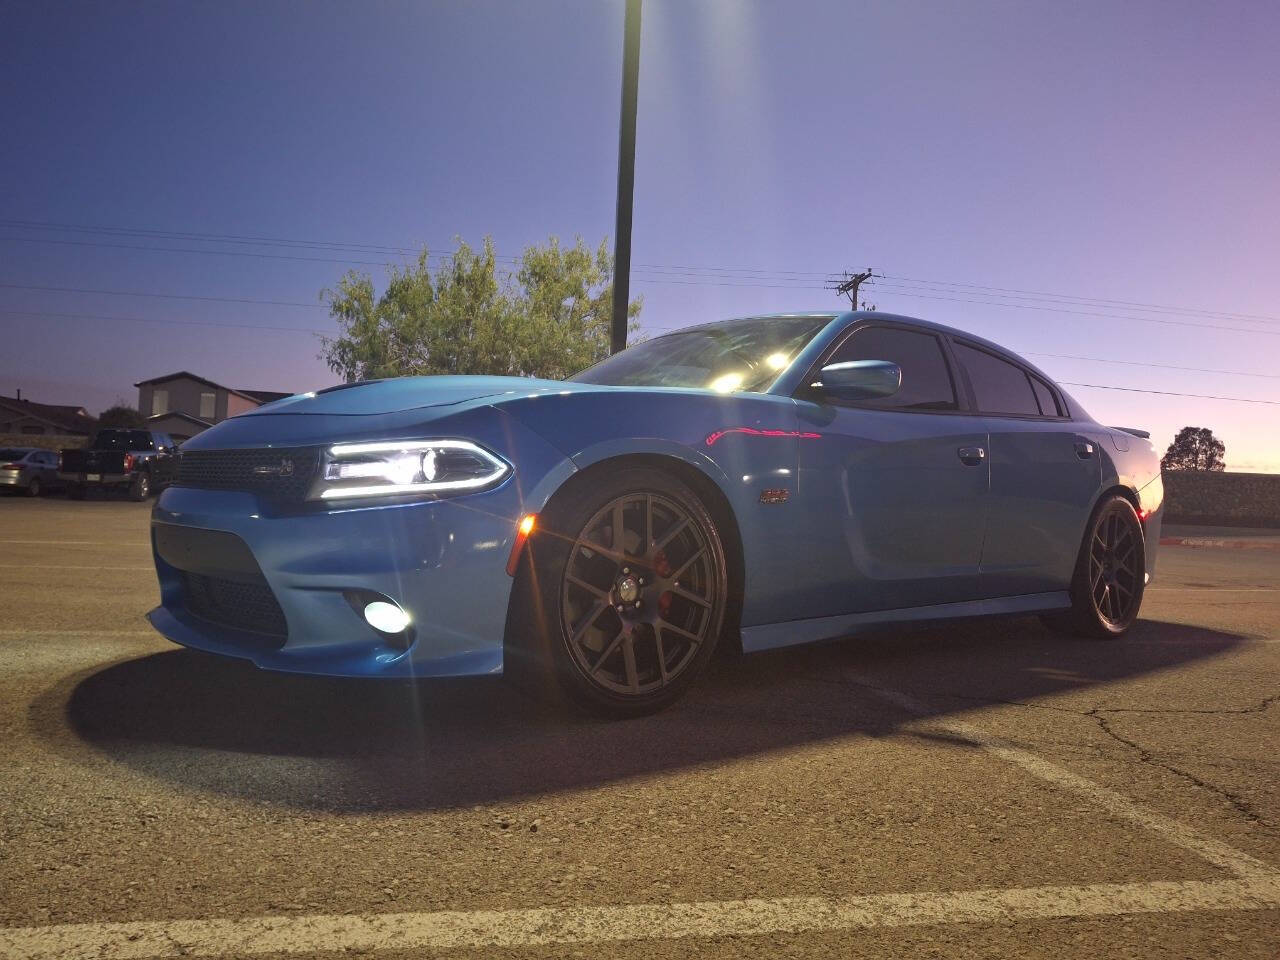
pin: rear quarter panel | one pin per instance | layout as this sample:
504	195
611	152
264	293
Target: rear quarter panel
1132	463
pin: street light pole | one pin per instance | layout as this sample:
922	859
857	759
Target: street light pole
626	178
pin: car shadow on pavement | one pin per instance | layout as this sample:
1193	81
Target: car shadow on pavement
210	724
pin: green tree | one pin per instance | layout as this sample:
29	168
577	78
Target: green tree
1194	448
120	414
550	317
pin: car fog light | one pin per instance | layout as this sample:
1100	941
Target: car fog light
386	617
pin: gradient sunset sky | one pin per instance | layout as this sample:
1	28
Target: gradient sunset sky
1084	180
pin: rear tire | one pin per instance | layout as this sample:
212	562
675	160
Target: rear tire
621	595
75	491
140	488
1110	575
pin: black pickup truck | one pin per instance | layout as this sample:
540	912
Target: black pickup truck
140	461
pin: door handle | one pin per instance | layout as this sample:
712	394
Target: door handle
972	456
1084	449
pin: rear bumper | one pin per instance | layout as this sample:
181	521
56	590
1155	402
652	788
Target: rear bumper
1151	503
101	478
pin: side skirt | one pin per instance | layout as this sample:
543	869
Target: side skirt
769	636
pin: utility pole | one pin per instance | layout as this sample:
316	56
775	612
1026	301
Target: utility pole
626	177
848	284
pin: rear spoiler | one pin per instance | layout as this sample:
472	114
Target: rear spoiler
1133	431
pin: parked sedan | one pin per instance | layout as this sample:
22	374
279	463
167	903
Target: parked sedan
761	482
28	470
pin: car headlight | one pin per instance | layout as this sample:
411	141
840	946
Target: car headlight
399	467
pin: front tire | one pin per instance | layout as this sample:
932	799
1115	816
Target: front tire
1110	575
623	594
35	487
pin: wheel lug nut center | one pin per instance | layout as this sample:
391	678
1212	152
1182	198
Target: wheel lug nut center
628	589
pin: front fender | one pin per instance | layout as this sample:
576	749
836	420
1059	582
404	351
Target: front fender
744	444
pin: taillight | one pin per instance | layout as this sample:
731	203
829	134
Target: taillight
128	462
11	466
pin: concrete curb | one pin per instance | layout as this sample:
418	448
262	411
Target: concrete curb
1220	542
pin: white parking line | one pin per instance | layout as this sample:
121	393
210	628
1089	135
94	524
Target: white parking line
536	927
1211	590
83	543
1214	851
40	632
1254	886
66	566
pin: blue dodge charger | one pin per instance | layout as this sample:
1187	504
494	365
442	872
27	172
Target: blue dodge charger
762	482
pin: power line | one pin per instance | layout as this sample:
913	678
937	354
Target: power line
1079	302
1167	393
165	296
666	278
168	321
1098	300
224	253
1079	313
1144	363
676	269
257	326
205	237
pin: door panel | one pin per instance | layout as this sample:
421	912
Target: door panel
895	517
1042	489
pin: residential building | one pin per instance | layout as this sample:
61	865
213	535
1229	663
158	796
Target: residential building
19	415
182	404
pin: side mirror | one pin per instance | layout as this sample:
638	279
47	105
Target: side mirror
859	379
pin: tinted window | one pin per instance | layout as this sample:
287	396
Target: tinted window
10	454
999	386
122	440
926	382
1044	396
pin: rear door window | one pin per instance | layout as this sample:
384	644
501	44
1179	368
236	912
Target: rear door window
1049	406
998	385
926	379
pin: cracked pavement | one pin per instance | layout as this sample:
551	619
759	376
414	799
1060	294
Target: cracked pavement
142	782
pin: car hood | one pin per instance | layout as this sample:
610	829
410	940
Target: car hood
408	393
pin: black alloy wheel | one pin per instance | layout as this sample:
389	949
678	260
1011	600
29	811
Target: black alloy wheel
1110	576
633	587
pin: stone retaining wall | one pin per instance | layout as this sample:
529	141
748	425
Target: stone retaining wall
1222	499
43	441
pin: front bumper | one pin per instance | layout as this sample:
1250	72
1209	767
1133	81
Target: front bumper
443	562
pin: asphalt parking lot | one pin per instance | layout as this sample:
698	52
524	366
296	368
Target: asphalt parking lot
985	790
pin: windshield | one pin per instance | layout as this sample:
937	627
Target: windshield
730	356
122	440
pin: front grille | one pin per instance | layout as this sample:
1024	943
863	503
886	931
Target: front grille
249	607
279	474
